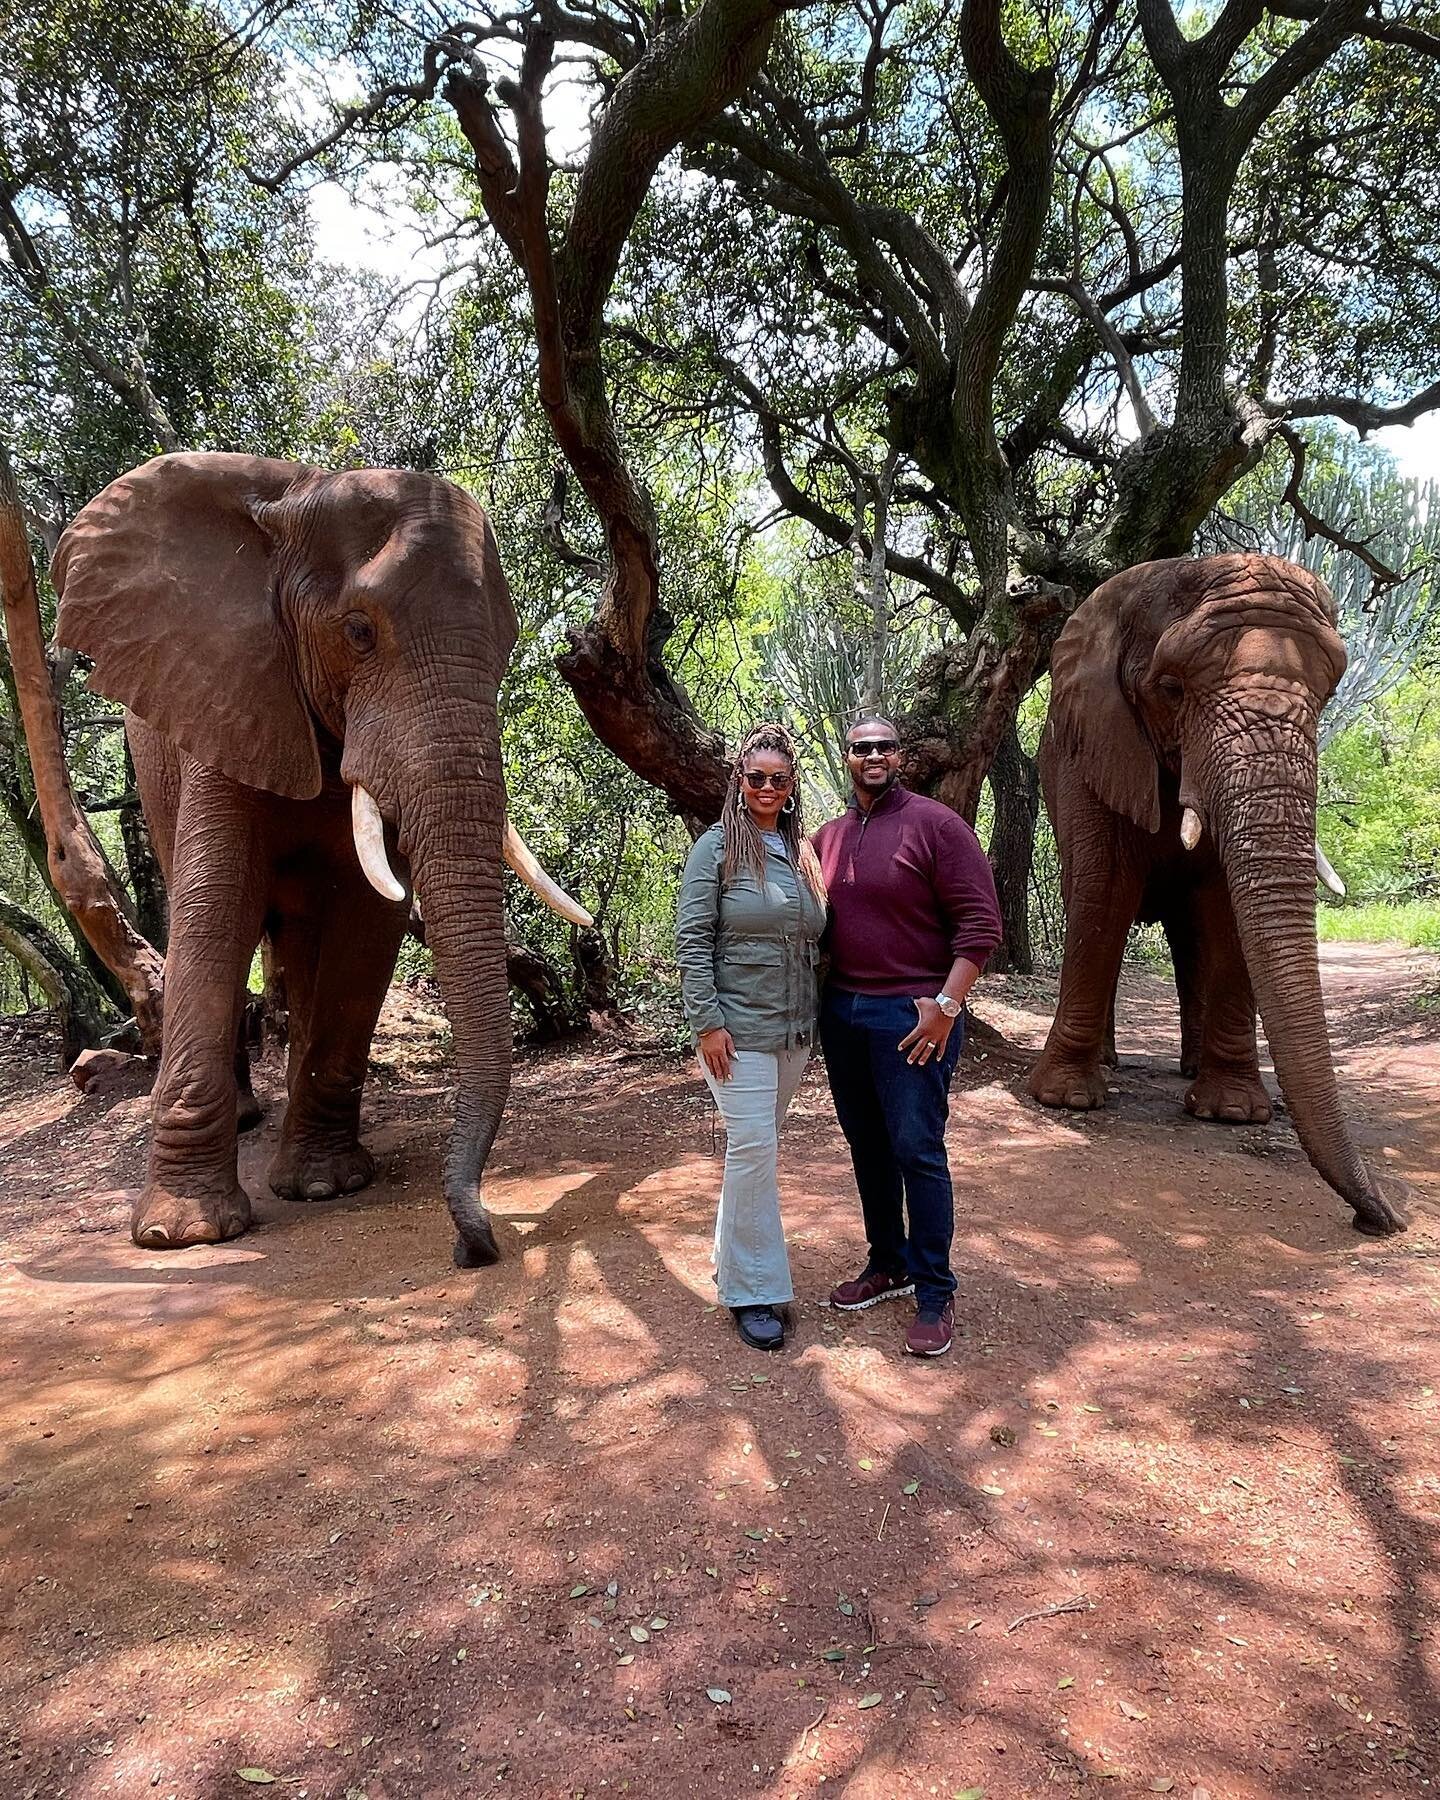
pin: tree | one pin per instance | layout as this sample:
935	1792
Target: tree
1065	278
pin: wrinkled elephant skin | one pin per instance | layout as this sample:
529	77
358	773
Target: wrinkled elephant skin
281	636
1179	765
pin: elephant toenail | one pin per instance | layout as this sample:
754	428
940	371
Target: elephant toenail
155	1234
318	1190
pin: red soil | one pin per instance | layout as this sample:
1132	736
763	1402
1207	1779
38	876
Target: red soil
315	1504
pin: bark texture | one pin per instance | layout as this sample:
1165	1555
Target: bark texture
83	878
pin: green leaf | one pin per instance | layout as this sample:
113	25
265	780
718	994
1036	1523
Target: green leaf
871	1700
833	1655
718	1695
580	1589
968	1794
911	1487
1065	1681
257	1777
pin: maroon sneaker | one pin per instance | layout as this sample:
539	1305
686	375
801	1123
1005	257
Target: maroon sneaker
933	1331
870	1289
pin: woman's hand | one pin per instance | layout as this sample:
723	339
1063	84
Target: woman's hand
717	1049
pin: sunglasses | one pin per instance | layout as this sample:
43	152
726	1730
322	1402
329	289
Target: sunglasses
757	779
873	747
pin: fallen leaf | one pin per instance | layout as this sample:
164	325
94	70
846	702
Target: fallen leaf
580	1589
759	1536
659	1622
640	1634
257	1777
1047	1431
1090	1407
911	1487
1162	1784
870	1700
989	1488
718	1695
832	1655
865	1463
968	1794
627	1658
1065	1681
1133	1712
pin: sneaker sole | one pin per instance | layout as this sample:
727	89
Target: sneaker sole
900	1293
944	1350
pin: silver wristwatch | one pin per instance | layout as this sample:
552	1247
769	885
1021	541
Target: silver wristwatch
950	1008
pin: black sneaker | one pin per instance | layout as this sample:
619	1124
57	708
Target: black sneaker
761	1327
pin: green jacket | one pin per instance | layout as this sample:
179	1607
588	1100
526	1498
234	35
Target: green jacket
748	956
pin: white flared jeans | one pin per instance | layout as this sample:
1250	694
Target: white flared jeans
752	1267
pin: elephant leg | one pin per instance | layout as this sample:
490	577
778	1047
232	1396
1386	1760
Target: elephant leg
248	1110
1227	1082
336	974
1181	926
192	1194
1098	914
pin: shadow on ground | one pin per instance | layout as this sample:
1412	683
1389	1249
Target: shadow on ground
316	1504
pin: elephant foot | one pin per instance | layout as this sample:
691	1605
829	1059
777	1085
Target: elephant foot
1233	1097
300	1173
1079	1086
475	1246
248	1111
167	1221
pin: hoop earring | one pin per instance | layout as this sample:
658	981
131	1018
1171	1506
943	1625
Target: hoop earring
789	805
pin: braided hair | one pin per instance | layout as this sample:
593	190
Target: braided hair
744	846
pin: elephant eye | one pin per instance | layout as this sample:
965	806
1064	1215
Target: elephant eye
1171	687
359	632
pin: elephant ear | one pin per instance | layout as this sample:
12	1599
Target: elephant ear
167	581
1090	715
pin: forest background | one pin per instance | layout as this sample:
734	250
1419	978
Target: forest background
806	357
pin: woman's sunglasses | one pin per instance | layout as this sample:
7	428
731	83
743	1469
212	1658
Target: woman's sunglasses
757	779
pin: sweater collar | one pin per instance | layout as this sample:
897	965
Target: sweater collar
890	801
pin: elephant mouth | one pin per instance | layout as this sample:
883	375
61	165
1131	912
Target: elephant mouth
368	828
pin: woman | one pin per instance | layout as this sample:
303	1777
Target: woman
752	908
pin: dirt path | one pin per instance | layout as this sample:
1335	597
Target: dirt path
316	1505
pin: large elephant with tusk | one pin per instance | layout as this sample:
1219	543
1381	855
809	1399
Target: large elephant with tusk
1178	763
310	664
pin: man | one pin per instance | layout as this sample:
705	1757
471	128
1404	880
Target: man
914	918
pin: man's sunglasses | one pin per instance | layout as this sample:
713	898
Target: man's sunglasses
874	747
758	779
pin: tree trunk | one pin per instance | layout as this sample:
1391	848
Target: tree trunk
84	880
152	910
1015	785
539	983
76	999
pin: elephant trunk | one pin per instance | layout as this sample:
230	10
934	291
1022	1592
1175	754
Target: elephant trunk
1264	821
451	836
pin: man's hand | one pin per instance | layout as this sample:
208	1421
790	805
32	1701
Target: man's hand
717	1051
930	1036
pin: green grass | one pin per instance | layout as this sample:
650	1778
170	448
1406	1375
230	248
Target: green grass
1415	923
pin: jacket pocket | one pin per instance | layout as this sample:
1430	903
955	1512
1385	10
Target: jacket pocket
753	955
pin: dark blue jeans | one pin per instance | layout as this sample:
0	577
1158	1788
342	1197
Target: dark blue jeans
893	1114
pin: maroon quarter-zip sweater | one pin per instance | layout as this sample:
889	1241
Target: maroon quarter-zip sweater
910	890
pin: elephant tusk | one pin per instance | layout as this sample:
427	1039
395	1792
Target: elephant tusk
1326	873
525	864
1190	828
369	829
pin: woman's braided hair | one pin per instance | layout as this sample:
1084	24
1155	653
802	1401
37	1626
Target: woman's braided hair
744	847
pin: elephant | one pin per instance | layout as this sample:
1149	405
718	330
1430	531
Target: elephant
310	665
1178	762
